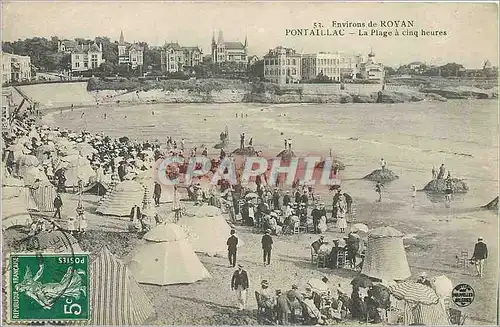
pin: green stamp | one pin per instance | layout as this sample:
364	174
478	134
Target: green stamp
49	287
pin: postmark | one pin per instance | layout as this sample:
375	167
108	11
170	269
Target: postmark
53	289
463	295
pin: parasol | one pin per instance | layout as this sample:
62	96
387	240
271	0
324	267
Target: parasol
361	281
251	196
317	285
442	285
359	228
414	292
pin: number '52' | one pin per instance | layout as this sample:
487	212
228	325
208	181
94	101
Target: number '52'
74	308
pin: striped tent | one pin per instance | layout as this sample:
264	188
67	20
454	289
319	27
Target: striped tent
44	196
422	305
385	255
414	292
121	199
116	298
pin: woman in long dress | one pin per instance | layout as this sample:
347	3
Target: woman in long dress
341	212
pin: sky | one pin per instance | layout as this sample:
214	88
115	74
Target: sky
471	28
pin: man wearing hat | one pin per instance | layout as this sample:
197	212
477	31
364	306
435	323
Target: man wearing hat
317	213
58	203
267	245
286	198
232	246
423	279
239	283
267	299
157	193
480	255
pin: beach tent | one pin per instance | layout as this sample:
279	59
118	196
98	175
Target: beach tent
120	200
385	257
25	162
422	305
15	212
33	173
43	194
166	258
98	188
76	167
11	187
207	233
115	296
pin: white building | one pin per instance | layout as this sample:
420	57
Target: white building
130	54
322	63
371	70
229	51
282	66
86	57
15	68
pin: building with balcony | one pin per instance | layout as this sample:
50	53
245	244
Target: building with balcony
131	54
175	58
15	68
282	66
86	57
324	64
229	52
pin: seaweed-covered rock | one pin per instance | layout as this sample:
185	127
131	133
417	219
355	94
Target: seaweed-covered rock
440	185
493	205
381	175
339	164
286	155
246	151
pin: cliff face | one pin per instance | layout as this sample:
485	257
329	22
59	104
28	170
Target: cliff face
463	92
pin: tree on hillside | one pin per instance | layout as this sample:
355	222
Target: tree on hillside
389	71
257	69
452	69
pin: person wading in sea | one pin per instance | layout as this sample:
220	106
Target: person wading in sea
378	189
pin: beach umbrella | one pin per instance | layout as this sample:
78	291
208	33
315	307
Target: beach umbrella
251	196
317	285
414	292
28	161
361	281
18	148
23	140
359	228
85	149
46	148
442	285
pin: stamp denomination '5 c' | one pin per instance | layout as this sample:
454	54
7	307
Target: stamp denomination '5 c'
54	288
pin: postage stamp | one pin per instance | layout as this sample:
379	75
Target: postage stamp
48	287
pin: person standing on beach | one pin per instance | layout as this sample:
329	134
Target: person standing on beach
441	172
267	245
434	172
480	255
290	144
58	205
378	189
286	144
414	190
239	283
232	246
157	193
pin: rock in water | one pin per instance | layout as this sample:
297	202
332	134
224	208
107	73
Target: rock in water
439	186
493	205
247	151
382	175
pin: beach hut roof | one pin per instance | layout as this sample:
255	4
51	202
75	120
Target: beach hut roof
385	232
414	292
115	296
166	263
165	233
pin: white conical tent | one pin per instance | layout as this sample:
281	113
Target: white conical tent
385	255
15	211
121	199
166	258
115	296
208	230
